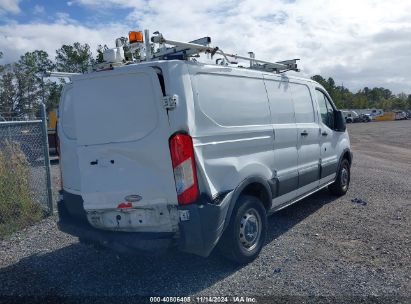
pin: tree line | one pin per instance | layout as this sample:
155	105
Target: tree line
365	98
23	89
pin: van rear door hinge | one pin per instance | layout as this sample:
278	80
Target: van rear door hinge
170	102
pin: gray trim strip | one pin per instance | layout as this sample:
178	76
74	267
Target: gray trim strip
309	176
290	183
328	169
286	204
287	184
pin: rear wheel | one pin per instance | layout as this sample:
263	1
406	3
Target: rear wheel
342	182
245	235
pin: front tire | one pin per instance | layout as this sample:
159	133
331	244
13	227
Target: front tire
244	237
342	182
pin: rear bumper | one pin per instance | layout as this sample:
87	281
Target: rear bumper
198	234
73	220
120	241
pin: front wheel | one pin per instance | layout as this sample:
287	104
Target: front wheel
245	235
342	182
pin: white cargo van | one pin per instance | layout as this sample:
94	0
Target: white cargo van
177	153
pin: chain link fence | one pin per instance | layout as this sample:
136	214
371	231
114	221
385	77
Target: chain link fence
25	181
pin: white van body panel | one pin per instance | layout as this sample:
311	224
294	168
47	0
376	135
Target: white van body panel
233	137
122	150
69	165
244	123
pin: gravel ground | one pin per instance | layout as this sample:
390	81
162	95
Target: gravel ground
321	246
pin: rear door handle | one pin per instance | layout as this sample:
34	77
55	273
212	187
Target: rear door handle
304	133
324	133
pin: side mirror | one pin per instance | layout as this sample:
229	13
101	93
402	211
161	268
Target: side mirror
339	121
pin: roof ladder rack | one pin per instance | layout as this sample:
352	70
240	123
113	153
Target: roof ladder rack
183	50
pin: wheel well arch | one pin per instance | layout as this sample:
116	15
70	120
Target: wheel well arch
259	191
255	186
347	155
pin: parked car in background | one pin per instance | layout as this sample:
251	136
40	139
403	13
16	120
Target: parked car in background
365	117
400	115
351	116
373	112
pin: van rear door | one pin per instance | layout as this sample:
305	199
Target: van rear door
122	139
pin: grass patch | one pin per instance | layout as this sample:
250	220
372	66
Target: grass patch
17	209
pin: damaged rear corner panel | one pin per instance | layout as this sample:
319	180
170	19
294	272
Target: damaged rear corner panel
205	225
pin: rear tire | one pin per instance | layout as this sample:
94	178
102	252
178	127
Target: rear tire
342	182
244	237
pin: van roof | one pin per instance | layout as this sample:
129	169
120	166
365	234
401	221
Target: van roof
165	63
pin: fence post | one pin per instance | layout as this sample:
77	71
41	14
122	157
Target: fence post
46	157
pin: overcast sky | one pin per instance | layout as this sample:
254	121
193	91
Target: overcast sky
357	42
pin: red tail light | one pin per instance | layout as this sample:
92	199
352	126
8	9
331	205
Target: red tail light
185	173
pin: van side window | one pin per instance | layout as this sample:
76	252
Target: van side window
303	106
326	109
281	104
233	101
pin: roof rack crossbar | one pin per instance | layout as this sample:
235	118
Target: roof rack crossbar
194	48
183	50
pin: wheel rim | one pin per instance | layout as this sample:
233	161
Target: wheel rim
345	177
250	229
